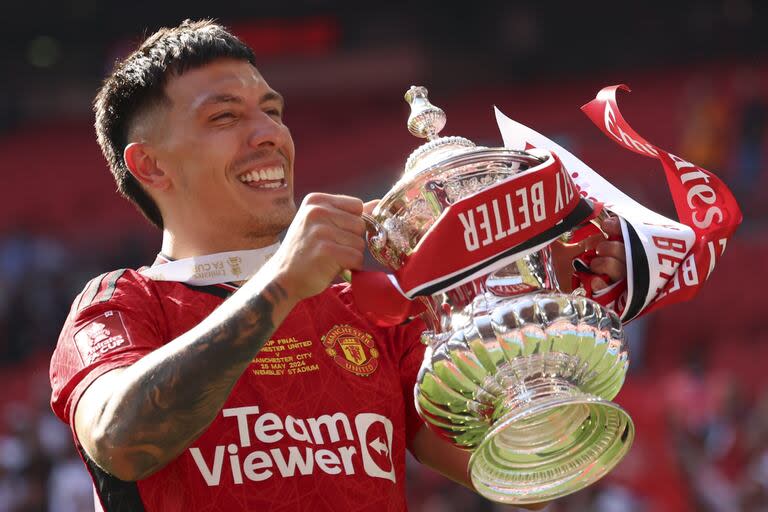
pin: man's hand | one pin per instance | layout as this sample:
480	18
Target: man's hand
325	238
610	259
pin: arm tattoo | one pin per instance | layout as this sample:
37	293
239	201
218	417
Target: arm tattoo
167	399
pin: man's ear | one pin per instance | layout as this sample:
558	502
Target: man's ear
144	167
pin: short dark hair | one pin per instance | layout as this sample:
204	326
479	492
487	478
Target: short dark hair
137	84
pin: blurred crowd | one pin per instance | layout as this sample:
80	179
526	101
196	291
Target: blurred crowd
720	436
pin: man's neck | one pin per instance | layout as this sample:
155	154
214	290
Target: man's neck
177	247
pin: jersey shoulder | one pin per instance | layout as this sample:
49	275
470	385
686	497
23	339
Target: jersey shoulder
121	285
112	323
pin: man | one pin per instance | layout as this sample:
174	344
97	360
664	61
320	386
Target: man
272	393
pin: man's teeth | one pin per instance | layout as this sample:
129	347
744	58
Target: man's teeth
272	174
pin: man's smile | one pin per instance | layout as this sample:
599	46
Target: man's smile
267	177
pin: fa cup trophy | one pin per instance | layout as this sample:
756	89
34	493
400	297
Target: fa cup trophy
517	371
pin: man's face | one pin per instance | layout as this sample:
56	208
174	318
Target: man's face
231	157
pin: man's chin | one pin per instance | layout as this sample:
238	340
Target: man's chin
272	225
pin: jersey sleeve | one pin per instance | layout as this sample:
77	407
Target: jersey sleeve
410	362
112	324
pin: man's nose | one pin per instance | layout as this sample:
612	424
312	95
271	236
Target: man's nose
265	131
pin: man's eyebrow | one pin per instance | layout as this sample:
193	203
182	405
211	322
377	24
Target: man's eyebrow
272	95
231	98
219	98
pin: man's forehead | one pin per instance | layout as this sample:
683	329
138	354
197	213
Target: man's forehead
199	86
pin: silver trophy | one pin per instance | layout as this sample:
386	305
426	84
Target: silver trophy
516	371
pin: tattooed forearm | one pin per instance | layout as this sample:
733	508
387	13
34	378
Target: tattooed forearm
165	400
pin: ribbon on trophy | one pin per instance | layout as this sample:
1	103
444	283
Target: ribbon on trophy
667	260
482	232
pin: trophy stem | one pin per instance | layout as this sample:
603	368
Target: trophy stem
548	439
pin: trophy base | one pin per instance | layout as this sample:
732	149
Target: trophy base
550	440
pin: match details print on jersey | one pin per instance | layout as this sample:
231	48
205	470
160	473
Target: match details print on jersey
285	356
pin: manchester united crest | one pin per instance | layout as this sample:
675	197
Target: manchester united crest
352	349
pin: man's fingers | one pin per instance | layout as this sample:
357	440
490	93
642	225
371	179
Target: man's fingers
611	258
598	284
349	222
348	204
591	242
349	240
349	258
612	226
616	270
328	215
370	205
343	211
611	249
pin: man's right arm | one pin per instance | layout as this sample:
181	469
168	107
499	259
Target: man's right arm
133	421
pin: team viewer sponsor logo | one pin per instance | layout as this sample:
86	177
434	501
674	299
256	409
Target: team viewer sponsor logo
331	444
352	349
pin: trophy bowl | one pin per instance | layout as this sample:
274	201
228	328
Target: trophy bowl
516	371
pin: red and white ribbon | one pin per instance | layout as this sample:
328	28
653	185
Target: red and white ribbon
667	260
703	203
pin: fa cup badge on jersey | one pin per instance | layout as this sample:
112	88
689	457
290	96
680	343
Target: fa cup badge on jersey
517	371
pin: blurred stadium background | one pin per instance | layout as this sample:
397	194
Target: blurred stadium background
697	385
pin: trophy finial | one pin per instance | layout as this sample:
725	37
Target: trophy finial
426	120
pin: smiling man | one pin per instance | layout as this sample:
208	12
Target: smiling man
231	374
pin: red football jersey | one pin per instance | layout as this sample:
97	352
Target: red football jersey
320	420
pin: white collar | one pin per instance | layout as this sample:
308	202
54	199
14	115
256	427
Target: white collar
208	269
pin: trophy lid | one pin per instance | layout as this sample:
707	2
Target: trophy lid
426	121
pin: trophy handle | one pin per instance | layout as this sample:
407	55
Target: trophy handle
375	232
